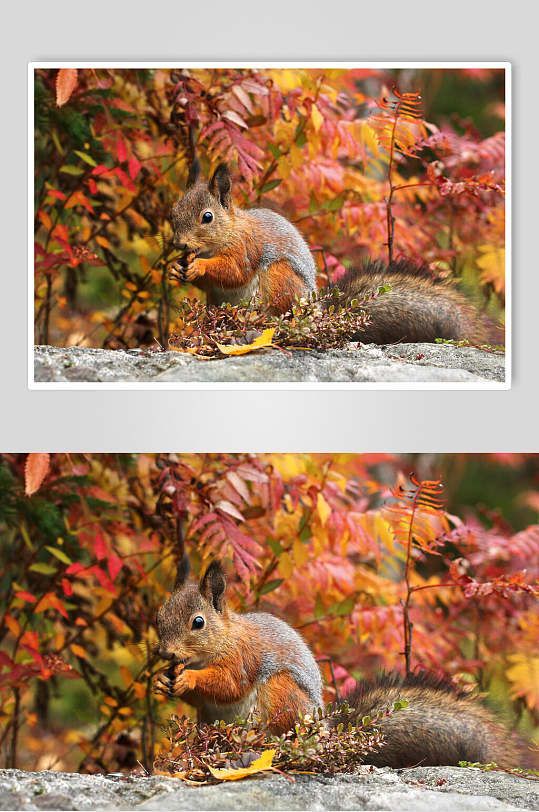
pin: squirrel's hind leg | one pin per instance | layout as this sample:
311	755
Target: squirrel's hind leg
280	701
279	287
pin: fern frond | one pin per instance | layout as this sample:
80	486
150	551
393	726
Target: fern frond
418	517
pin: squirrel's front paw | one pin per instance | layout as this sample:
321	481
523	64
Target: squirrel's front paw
165	682
190	270
182	683
174	682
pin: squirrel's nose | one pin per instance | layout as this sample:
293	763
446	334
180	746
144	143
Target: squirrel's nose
165	655
182	246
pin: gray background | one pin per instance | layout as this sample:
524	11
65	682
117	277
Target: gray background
260	420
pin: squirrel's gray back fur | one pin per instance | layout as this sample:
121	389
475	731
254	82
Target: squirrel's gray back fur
296	252
285	650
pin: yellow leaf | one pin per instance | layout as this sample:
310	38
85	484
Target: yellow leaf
286	565
78	651
492	265
317	117
259	765
324	510
301	553
524	678
284	167
369	139
126	675
263	340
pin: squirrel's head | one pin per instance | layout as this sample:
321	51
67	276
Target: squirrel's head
191	623
202	216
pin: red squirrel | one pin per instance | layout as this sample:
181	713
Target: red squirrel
227	664
234	254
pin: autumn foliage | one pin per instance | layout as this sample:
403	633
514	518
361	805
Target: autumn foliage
373	567
366	162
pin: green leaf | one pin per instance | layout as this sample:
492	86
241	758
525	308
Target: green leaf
305	534
300	138
26	537
57	143
274	149
269	586
271	184
343	607
335	204
275	546
69	169
59	555
85	157
44	569
319	608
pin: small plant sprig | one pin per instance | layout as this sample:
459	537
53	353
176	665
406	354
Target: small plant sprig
332	741
326	320
529	773
453	342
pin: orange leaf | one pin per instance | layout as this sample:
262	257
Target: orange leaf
13	625
44	219
35	471
102	241
66	82
78	651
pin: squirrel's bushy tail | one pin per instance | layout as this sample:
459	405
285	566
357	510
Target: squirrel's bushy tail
419	307
440	726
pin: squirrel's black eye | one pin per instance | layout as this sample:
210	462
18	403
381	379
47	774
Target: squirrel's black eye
207	217
198	623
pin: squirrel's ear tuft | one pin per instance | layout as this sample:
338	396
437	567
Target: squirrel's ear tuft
213	585
184	568
194	173
220	185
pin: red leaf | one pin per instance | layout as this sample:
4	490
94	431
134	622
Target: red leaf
26	596
103	579
66	82
124	180
133	167
55	193
100	547
101	170
74	569
92	186
67	587
115	565
35	471
121	151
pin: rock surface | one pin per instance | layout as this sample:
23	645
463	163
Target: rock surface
421	789
406	363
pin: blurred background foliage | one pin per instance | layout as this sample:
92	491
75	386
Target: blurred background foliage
89	545
112	150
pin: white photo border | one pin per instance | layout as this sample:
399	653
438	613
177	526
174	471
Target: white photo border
290	385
